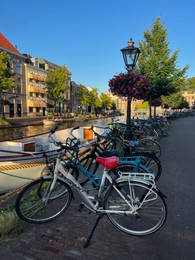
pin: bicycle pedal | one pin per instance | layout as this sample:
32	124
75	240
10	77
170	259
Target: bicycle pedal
81	206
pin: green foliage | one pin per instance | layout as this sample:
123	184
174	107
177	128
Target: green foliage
82	95
3	122
157	63
189	84
57	82
106	100
6	76
175	101
91	98
10	224
94	100
113	106
143	105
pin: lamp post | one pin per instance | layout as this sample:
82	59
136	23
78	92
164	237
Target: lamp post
130	56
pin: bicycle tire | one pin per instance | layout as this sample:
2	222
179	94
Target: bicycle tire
150	161
32	205
150	210
150	145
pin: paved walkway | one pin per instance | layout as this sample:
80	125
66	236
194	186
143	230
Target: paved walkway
64	237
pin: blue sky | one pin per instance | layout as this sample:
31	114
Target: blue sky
87	35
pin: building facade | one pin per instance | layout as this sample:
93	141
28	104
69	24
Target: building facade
189	96
36	90
29	96
14	102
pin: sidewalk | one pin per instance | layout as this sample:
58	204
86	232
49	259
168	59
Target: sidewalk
64	237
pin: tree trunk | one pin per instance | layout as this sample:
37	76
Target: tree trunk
150	108
154	111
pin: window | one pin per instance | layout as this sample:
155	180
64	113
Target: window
18	68
18	89
11	63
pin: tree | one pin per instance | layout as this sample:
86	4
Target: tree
113	106
175	101
157	63
106	100
83	95
89	98
57	83
6	76
94	100
190	84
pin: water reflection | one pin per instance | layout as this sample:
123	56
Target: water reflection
26	131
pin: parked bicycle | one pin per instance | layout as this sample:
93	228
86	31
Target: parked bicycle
132	202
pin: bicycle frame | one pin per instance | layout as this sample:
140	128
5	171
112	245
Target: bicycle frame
91	202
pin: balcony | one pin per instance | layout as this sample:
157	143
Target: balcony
37	103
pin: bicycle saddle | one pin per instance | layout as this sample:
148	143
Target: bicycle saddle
108	163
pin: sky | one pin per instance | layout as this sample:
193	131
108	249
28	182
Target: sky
87	35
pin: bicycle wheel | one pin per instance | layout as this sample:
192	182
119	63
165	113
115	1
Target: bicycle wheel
148	212
150	161
37	204
150	145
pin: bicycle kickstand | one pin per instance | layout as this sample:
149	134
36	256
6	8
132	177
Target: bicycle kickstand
92	231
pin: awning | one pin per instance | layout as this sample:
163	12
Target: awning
32	89
37	103
36	89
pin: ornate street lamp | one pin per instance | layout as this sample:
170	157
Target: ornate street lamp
130	56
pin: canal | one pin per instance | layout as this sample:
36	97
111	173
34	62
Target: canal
26	131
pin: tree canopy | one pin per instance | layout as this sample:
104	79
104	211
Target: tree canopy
158	64
190	84
106	100
175	101
91	98
6	75
57	82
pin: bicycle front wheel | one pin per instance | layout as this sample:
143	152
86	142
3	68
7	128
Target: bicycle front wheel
146	214
37	203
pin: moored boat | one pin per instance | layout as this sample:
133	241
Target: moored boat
23	160
57	121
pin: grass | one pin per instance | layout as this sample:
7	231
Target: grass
3	122
10	224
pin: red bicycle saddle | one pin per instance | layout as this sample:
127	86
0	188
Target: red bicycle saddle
109	163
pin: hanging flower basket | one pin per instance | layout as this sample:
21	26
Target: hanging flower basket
129	85
156	102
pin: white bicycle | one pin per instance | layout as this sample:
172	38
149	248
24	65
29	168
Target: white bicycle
132	202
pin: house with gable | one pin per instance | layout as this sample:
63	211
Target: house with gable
14	102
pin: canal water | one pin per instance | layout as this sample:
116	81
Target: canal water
26	131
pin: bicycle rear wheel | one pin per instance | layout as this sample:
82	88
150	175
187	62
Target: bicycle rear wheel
36	203
150	161
149	208
150	145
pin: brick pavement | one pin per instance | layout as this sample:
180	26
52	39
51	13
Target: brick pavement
64	237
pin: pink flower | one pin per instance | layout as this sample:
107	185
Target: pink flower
130	85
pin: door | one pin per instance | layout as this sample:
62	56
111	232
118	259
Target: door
19	110
11	109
